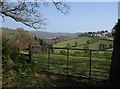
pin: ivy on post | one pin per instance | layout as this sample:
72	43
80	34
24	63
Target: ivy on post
18	51
90	64
67	59
30	53
49	57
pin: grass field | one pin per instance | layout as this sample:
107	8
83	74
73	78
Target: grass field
76	65
95	45
78	62
81	41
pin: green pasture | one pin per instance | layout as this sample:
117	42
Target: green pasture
80	41
77	65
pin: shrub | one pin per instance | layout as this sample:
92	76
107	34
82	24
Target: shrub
107	55
62	52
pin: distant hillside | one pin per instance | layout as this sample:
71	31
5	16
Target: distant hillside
50	35
43	34
18	37
82	41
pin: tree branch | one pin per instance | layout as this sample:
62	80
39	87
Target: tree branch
28	12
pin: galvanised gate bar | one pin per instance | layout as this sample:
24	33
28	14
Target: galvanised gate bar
87	63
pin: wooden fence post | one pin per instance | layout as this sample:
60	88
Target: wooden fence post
30	53
90	64
48	58
67	59
18	50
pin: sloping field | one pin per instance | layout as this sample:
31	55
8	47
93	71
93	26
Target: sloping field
81	42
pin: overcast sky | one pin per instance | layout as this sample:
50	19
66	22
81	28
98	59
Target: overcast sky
83	17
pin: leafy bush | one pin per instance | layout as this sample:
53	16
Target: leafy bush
16	72
108	55
62	52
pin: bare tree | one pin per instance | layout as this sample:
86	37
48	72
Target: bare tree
29	12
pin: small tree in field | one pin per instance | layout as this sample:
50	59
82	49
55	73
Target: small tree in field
76	44
68	45
86	47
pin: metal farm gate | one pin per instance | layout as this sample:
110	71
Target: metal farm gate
87	63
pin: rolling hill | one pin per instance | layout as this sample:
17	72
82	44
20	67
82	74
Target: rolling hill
80	42
51	35
22	36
